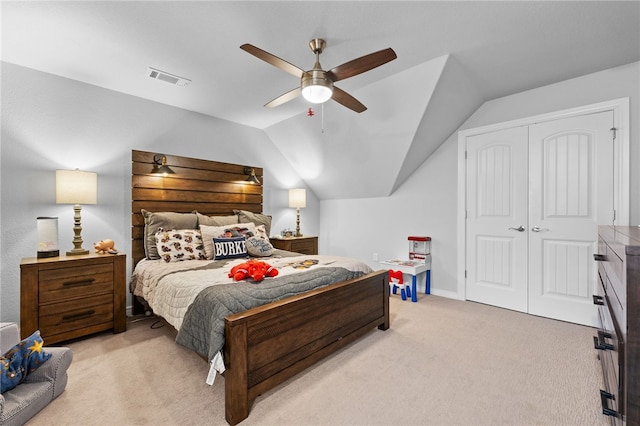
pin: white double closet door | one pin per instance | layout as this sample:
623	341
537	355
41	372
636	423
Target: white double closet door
535	197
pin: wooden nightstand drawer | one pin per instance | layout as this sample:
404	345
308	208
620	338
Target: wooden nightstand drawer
77	314
67	283
304	245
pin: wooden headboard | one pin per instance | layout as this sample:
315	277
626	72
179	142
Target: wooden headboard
210	187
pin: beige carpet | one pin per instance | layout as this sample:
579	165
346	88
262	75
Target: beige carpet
442	362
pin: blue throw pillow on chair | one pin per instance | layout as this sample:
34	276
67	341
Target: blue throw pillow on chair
22	359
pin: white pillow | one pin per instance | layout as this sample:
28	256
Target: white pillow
181	244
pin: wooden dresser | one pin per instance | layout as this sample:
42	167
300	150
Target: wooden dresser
618	340
304	245
72	296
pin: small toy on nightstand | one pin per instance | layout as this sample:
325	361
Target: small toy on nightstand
105	246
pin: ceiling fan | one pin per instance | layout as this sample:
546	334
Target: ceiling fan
316	84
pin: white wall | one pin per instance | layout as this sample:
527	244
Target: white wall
426	204
51	123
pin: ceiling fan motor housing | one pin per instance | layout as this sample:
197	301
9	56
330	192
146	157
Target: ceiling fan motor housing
316	87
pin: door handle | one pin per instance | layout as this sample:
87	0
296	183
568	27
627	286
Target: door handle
519	228
538	229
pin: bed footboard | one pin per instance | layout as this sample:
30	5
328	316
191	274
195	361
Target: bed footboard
269	344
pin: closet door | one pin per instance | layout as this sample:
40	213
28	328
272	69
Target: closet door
571	192
497	228
535	196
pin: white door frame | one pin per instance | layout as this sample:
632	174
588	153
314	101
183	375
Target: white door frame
620	108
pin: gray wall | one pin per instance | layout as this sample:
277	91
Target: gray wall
426	204
51	123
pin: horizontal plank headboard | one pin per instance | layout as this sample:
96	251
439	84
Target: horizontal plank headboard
210	187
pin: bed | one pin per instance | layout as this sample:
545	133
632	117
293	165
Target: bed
269	342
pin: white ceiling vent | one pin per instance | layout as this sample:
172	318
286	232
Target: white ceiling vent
169	78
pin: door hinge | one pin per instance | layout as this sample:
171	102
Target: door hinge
465	155
614	130
465	273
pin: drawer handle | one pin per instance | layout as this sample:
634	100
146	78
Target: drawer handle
604	335
599	257
598	300
600	345
604	396
80	282
83	315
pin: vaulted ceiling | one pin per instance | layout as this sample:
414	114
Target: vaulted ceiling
452	56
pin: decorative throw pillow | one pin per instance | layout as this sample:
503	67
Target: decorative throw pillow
228	248
21	360
165	220
178	245
256	218
259	247
227	231
262	232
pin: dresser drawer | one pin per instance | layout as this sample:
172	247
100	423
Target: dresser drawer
67	283
78	314
304	245
615	269
611	353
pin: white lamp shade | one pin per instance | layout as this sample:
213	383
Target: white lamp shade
297	198
76	187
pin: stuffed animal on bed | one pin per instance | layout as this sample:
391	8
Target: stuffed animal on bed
255	269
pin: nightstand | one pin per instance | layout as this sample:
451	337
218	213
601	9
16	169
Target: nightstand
304	245
72	296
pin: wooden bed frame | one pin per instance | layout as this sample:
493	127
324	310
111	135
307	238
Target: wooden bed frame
269	344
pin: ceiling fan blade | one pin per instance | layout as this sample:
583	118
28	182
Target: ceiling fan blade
273	60
285	97
347	100
362	64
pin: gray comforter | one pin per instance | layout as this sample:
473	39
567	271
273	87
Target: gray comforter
203	327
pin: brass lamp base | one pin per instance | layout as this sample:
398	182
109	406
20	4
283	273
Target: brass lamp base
77	231
297	234
76	252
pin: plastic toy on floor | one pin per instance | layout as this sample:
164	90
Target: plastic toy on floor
396	281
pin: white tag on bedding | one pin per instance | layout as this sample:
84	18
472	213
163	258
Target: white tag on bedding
211	377
216	365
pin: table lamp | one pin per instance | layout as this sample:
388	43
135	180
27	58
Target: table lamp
297	200
76	187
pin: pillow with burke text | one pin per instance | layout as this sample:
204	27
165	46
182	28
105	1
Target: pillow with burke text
245	230
228	248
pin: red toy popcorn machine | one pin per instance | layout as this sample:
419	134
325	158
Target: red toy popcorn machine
419	248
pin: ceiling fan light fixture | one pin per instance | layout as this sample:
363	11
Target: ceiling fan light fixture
316	88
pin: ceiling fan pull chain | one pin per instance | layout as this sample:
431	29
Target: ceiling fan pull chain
322	113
